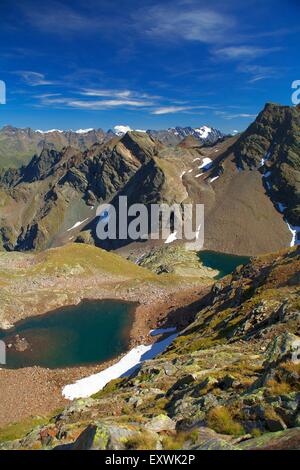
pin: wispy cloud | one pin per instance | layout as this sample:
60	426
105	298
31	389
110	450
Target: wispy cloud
243	52
100	99
181	21
171	109
105	98
57	18
106	104
228	116
57	100
34	78
118	94
103	92
260	72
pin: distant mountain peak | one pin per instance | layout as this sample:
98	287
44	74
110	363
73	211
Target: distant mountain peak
175	135
121	130
203	131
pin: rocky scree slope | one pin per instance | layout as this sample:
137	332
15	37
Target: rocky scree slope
230	380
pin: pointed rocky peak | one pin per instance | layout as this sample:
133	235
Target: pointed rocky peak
140	144
271	144
41	165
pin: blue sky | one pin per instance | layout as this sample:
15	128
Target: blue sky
151	64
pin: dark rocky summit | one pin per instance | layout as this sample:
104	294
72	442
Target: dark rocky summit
272	144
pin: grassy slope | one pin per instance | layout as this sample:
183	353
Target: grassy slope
70	259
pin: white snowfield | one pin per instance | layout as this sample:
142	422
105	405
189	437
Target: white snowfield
84	131
121	130
126	366
79	131
48	132
204	131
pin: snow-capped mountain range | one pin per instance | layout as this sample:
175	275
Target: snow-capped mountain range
171	135
21	144
174	135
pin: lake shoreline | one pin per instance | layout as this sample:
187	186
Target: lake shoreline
40	389
155	305
71	336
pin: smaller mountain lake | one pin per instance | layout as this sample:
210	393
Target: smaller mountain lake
222	262
88	333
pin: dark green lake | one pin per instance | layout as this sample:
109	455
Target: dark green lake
222	262
88	333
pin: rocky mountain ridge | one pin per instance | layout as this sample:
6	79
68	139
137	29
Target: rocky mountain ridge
173	136
248	185
272	144
18	146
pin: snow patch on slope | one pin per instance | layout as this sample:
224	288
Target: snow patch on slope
296	233
126	366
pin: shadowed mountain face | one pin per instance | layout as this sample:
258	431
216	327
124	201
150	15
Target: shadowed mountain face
249	186
272	144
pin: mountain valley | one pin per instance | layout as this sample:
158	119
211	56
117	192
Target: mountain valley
226	378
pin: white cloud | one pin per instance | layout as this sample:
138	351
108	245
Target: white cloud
242	52
106	104
228	116
34	78
189	23
92	104
107	93
259	72
56	18
170	109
